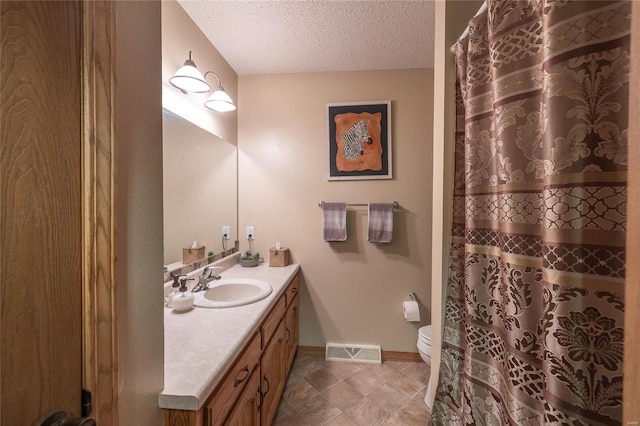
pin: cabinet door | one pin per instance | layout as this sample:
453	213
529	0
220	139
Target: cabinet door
247	410
292	331
292	289
270	324
229	390
273	374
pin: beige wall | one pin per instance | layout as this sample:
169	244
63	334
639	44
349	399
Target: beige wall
139	213
179	36
352	291
452	17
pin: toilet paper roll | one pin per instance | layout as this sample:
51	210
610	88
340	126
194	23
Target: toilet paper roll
411	310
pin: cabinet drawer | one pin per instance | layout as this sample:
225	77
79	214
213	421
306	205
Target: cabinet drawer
230	388
247	409
292	289
271	323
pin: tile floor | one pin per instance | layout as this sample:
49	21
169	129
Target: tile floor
320	392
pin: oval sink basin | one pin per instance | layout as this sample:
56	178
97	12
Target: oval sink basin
232	292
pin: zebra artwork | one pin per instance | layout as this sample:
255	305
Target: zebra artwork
353	140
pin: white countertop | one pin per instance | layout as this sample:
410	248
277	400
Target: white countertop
199	345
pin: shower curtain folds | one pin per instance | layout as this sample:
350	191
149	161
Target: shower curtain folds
533	323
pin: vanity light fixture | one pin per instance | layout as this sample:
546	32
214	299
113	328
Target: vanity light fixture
219	100
189	80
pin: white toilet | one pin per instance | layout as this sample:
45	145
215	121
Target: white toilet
424	348
424	344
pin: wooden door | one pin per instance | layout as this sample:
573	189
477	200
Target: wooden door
40	210
56	175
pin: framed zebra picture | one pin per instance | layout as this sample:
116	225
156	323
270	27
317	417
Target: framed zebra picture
359	140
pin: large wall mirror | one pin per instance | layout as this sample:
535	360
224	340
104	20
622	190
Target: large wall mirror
200	188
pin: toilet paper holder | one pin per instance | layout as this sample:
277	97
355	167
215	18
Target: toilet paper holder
411	308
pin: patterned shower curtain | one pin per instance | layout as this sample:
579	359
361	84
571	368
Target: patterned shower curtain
533	331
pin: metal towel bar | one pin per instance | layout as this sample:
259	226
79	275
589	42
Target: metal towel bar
395	204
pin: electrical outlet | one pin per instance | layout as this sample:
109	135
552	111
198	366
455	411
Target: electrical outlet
226	232
251	233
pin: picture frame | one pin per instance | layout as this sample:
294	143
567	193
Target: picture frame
359	140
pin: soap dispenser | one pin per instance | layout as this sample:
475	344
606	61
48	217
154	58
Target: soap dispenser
183	300
173	291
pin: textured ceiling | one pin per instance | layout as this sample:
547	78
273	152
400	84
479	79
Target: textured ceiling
268	37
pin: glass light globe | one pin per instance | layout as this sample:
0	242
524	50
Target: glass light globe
189	79
220	101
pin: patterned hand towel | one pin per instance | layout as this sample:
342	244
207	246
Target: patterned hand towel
334	221
380	223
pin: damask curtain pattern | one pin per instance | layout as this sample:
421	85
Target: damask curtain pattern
533	330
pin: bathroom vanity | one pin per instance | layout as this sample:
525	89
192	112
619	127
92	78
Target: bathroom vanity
229	365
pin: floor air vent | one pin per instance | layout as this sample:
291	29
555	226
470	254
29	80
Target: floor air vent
353	353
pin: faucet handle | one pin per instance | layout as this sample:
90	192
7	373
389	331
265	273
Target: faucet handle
176	279
208	270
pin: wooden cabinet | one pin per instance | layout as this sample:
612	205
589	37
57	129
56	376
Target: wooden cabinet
272	322
291	292
291	333
228	390
247	410
249	392
274	374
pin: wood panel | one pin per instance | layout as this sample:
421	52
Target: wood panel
401	356
183	417
100	351
631	395
40	210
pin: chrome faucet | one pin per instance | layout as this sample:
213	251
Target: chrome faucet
207	276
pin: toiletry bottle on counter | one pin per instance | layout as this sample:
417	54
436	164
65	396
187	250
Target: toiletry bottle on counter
168	297
183	300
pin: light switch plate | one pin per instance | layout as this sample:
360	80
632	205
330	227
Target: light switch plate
251	233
